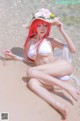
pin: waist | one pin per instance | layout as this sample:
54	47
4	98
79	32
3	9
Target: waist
45	60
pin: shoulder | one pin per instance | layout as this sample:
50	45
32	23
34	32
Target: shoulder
27	44
55	42
29	41
50	39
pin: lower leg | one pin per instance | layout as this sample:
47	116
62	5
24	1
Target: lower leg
49	87
44	94
54	81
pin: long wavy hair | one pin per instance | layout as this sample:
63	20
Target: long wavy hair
33	31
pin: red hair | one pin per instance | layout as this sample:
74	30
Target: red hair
33	30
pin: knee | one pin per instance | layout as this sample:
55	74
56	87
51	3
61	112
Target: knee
69	67
33	83
31	72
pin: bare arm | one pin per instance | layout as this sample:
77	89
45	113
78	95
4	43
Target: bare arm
69	42
56	43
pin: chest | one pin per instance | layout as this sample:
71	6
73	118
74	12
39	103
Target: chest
44	47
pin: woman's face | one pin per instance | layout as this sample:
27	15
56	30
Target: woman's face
42	29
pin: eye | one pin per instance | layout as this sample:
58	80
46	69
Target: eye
39	25
45	25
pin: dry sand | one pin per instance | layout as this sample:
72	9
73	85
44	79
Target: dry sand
15	98
22	104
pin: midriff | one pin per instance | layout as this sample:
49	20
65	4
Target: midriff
45	59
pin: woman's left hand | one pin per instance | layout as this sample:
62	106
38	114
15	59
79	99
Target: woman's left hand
58	23
59	26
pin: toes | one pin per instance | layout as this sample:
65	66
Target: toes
78	92
63	109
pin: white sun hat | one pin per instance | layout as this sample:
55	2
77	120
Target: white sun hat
42	14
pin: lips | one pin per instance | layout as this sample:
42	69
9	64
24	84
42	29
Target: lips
42	32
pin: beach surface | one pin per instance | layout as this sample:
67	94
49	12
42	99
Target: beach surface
16	98
22	104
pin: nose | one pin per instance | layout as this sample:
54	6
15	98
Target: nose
42	27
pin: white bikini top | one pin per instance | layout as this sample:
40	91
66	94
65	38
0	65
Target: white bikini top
44	49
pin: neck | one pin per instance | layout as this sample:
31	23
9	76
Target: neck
38	37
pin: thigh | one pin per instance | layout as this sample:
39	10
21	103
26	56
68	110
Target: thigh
58	68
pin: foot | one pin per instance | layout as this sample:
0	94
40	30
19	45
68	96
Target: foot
62	109
74	93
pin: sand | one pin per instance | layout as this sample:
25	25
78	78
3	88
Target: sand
15	97
22	104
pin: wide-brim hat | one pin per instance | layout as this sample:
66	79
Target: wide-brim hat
42	14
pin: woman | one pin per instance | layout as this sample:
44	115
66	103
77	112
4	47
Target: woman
47	70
